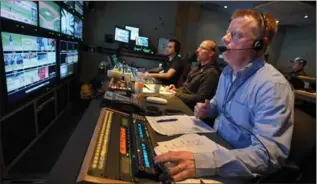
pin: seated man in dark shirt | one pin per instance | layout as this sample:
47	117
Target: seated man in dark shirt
202	81
173	68
297	70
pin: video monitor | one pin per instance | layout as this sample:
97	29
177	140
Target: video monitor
121	35
78	28
142	41
30	63
67	23
134	32
50	16
68	58
70	4
21	11
79	7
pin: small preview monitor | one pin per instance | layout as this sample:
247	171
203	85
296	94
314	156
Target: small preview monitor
21	11
50	16
134	32
68	58
67	23
142	41
30	63
78	28
122	35
79	7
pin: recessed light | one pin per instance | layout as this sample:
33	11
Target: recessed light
225	6
277	21
306	16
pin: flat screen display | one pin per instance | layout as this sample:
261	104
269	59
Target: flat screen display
78	28
79	7
21	11
30	63
68	58
142	41
67	23
134	32
122	35
50	16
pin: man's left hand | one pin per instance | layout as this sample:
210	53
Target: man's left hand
185	167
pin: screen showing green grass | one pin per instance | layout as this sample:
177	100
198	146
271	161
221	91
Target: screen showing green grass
50	16
22	11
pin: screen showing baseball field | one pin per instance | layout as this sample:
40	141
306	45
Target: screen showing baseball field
50	16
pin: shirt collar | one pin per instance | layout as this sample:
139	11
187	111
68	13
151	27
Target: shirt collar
253	65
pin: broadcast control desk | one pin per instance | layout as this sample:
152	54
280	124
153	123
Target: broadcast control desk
109	146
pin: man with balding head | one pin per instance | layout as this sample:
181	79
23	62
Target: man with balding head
202	81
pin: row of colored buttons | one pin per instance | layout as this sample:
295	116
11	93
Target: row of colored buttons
140	131
145	155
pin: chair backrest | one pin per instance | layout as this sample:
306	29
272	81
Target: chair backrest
186	70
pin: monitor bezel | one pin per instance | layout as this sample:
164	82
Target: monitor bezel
114	37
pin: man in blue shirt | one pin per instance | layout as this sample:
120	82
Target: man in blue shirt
254	106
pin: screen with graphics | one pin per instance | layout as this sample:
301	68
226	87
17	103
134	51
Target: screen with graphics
68	58
50	17
78	28
30	63
134	32
67	23
21	11
79	7
122	35
142	41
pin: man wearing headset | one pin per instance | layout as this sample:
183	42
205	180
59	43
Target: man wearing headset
253	105
173	68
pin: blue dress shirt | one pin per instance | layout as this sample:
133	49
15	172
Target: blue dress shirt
261	100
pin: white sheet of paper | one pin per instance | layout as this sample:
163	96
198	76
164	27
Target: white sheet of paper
184	125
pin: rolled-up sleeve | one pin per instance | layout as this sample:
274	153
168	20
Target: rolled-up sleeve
273	126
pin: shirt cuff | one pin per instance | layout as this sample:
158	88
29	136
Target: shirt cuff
205	164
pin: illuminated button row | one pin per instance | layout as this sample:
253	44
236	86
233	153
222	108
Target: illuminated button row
145	155
102	144
123	142
140	131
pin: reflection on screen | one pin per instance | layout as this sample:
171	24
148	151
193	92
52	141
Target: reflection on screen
22	11
30	63
142	41
68	58
67	23
134	32
122	35
78	28
49	15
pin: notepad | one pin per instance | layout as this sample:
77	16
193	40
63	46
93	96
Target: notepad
184	125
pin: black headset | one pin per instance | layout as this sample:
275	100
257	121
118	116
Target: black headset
259	44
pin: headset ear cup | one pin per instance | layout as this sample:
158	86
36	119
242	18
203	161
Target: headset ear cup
258	45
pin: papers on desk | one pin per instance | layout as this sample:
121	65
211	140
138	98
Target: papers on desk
183	125
189	142
149	88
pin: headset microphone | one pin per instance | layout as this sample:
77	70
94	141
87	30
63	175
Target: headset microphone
224	49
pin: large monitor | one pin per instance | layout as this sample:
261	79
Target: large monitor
21	11
142	41
30	63
68	58
67	23
79	7
50	16
121	35
78	28
134	32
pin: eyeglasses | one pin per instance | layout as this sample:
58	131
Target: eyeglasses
204	48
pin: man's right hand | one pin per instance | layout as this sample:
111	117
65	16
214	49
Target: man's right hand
201	109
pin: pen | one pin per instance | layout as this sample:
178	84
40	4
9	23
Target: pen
146	87
166	120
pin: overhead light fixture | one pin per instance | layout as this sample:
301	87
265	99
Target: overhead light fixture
225	6
277	21
306	16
